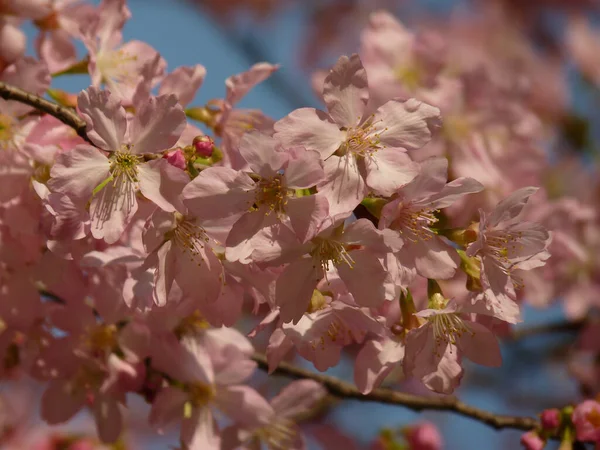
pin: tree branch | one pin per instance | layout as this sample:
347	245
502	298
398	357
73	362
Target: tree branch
548	328
66	115
342	389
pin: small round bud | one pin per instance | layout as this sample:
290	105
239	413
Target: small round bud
550	419
204	146
176	158
531	441
424	436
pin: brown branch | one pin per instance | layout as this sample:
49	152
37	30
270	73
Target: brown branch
549	328
342	389
66	115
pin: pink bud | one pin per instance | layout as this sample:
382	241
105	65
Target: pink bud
550	419
531	441
176	158
204	146
424	436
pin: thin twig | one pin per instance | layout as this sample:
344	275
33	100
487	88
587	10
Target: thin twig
66	115
549	328
339	388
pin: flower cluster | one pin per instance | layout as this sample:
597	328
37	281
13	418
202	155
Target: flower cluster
403	218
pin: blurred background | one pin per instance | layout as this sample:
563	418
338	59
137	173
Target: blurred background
531	37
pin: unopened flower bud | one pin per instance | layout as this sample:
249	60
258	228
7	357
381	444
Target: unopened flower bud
532	441
176	158
424	436
550	419
204	146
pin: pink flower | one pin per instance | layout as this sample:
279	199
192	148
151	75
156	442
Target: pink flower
586	418
278	429
361	151
355	252
276	174
505	244
433	351
62	22
206	383
111	183
181	251
411	214
423	436
121	67
321	334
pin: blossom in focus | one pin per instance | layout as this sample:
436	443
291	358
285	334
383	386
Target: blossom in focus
111	183
505	244
361	151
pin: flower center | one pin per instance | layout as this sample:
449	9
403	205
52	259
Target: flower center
317	302
7	131
327	251
100	339
503	245
114	67
272	193
200	394
193	324
360	141
124	164
409	75
189	237
278	435
414	225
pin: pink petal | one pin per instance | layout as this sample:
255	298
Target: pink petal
162	183
511	207
28	74
295	287
374	363
453	191
199	431
184	81
309	128
157	125
202	270
109	421
304	169
365	279
105	117
344	187
433	258
219	192
78	172
307	214
239	85
480	345
60	401
279	346
167	407
56	48
298	397
258	150
164	273
406	124
244	405
111	210
389	169
346	91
